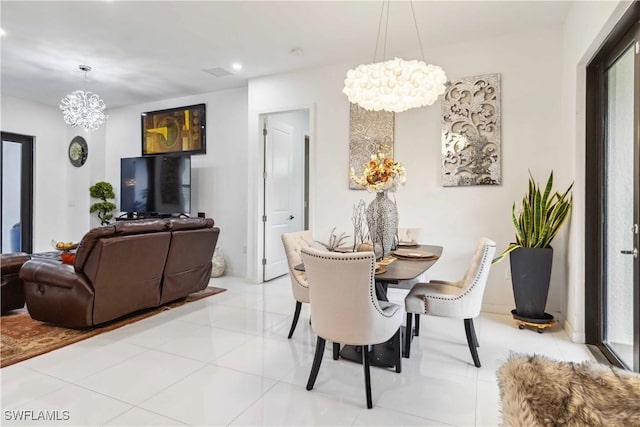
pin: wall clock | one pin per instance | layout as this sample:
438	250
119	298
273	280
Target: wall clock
78	151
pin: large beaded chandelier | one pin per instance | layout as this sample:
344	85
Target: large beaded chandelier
82	108
395	85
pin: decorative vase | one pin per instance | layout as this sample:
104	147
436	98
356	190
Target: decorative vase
530	276
368	247
382	219
218	264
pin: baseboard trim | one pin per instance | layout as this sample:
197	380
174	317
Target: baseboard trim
574	336
497	309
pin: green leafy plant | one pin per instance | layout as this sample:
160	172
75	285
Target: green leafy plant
540	218
102	190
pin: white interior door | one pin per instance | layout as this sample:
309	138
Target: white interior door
282	205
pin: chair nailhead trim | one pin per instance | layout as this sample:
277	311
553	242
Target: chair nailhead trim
483	266
372	294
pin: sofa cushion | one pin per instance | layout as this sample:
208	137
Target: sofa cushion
12	293
12	262
87	243
188	267
125	272
141	226
177	224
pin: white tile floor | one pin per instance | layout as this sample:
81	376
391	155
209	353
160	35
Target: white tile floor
226	360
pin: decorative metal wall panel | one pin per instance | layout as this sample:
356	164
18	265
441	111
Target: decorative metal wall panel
471	151
368	131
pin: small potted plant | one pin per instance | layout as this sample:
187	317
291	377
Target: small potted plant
102	190
335	242
531	256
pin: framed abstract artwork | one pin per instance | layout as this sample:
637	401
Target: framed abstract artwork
176	130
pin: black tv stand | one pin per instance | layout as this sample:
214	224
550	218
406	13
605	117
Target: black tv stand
136	216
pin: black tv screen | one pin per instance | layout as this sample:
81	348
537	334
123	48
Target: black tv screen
156	184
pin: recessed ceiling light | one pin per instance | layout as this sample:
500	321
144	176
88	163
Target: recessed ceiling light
236	66
2	32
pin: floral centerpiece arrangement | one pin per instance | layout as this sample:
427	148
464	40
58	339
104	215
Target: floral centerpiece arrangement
382	173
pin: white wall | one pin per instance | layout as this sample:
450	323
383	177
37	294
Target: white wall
79	180
51	216
219	178
529	63
61	190
586	27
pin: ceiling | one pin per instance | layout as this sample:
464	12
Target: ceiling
151	50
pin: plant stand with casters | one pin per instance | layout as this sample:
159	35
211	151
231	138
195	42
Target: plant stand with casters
540	324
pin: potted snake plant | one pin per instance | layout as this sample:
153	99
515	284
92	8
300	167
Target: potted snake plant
539	220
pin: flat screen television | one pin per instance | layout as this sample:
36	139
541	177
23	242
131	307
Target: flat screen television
155	185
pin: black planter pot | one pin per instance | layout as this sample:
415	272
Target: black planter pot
530	276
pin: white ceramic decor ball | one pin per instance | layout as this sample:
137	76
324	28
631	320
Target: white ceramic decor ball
218	264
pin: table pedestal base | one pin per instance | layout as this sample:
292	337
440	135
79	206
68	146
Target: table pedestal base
381	355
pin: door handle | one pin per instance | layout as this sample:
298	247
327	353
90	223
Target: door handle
633	252
291	217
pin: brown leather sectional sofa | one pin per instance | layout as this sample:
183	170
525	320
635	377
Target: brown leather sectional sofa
120	269
11	290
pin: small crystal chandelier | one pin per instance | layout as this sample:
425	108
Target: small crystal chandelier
395	85
82	108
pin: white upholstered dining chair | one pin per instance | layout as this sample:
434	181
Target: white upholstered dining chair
293	243
408	235
461	299
344	307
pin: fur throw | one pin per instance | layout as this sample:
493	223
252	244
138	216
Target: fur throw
537	391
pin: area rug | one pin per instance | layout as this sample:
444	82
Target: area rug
23	338
537	391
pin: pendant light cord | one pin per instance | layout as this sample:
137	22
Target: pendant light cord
417	31
375	52
386	29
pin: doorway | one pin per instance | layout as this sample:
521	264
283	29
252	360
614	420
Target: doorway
285	184
612	294
17	193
